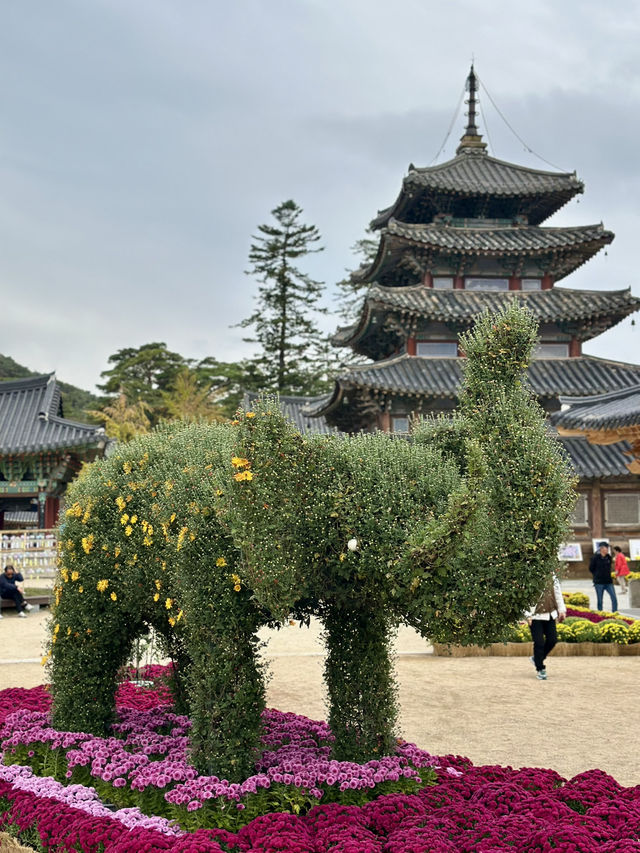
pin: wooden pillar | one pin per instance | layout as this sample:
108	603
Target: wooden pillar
575	348
458	282
515	282
546	283
384	419
51	508
595	510
411	345
427	279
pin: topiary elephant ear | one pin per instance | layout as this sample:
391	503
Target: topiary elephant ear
270	481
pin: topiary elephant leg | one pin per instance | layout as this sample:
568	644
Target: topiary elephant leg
227	698
84	671
360	681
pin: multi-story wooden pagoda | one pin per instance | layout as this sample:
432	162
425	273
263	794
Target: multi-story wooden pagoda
465	236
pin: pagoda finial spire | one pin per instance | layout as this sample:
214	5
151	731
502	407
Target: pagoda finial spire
471	141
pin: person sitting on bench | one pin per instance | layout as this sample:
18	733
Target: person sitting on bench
9	588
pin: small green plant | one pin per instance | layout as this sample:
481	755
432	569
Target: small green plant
613	631
576	599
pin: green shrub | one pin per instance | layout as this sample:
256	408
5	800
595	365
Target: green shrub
613	632
634	632
565	633
577	599
584	631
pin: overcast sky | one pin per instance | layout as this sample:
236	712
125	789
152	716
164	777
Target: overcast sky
143	141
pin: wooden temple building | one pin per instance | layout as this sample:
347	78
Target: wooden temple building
468	235
40	451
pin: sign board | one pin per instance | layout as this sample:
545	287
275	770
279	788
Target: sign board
570	552
634	549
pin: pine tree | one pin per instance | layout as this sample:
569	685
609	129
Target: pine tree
351	292
284	322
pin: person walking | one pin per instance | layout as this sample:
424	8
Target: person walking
600	568
621	568
542	621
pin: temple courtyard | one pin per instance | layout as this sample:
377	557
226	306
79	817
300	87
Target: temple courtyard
491	709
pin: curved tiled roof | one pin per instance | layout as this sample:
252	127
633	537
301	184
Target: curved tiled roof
476	174
615	410
597	460
30	419
556	305
481	239
416	376
481	174
563	250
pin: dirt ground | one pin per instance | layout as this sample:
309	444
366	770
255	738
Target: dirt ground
492	710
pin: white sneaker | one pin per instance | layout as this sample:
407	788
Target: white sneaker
28	607
22	614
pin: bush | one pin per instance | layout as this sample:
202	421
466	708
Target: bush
612	631
634	632
577	599
565	633
585	631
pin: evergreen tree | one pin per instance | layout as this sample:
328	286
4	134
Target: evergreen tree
351	293
142	374
284	322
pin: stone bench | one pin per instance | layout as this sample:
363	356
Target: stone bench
37	601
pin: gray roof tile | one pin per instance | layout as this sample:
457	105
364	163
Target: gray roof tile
441	377
597	460
614	410
293	408
499	240
473	175
462	306
30	419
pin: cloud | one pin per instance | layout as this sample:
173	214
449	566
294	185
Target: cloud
142	143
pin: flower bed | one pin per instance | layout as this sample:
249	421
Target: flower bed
584	632
468	809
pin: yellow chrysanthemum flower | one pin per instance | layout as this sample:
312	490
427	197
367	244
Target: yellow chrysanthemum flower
220	562
114	597
240	462
168	603
102	585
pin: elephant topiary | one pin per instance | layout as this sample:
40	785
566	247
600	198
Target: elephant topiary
208	532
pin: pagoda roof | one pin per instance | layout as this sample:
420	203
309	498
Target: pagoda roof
592	311
614	410
474	174
31	419
419	376
592	461
560	250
